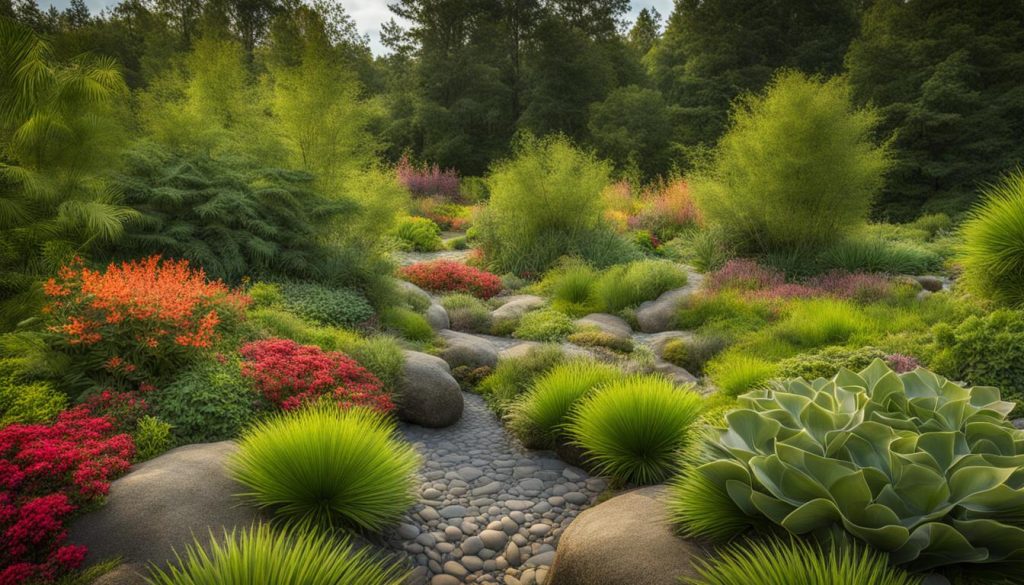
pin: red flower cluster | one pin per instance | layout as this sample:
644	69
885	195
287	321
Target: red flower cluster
46	473
427	181
768	284
140	318
290	375
451	276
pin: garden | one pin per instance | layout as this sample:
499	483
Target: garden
265	318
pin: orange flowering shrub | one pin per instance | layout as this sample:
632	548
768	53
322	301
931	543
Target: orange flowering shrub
136	322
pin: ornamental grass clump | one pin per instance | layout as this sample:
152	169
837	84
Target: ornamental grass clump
419	234
327	467
261	554
911	464
632	429
993	250
628	285
538	418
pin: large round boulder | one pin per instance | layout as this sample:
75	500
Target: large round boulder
428	394
437	316
516	306
624	541
610	324
472	351
159	506
660	314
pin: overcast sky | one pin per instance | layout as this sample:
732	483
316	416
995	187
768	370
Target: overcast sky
368	14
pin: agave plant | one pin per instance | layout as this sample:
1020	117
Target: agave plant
911	464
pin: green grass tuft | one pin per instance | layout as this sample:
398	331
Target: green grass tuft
993	248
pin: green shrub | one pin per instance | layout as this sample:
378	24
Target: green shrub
726	313
987	351
263	555
735	373
826	362
546	203
327	467
460	243
796	170
629	285
632	429
865	254
598	338
932	224
419	234
514	376
795	562
818	322
26	402
467	313
911	463
329	306
265	294
570	286
693	354
993	248
538	418
408	323
152	437
544	325
208	402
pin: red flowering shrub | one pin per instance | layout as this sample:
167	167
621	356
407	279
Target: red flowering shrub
427	181
47	472
450	276
139	321
290	375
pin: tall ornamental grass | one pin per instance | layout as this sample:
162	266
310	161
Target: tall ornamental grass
993	250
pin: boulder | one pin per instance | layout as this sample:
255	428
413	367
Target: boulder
658	341
518	350
410	288
158	507
437	316
678	375
428	394
610	324
930	283
516	306
658	315
463	349
624	541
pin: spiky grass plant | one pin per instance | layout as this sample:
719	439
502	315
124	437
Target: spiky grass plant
327	467
632	429
734	373
628	285
820	322
515	375
262	555
538	418
779	562
993	250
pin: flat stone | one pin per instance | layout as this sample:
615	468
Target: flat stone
472	545
455	569
610	324
493	539
660	314
517	505
542	559
454	511
516	306
444	580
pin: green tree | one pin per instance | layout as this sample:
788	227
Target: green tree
714	50
645	31
633	127
59	138
946	78
797	169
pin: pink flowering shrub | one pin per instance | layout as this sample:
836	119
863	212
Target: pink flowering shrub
291	375
902	363
444	276
428	180
47	472
743	275
764	283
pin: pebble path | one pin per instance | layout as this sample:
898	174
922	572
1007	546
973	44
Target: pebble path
490	511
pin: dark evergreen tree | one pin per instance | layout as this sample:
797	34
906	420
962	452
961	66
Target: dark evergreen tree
646	30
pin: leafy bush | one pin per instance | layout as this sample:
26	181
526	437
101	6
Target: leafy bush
796	170
598	338
987	350
777	561
26	402
544	325
874	255
263	555
49	472
735	373
152	437
546	203
911	464
419	234
693	354
515	375
632	429
467	313
137	322
993	242
209	402
327	467
449	276
539	417
290	375
265	294
932	224
330	306
827	361
620	287
407	323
